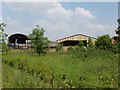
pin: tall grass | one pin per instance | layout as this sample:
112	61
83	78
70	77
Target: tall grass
66	69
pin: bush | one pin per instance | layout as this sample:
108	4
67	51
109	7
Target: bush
104	42
90	43
59	47
70	48
5	49
81	44
77	47
116	47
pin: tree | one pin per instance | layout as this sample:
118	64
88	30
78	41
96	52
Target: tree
118	29
90	43
3	36
104	42
39	41
117	45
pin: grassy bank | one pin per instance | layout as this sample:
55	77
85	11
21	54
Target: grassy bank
80	69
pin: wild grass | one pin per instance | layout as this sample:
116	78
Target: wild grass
63	69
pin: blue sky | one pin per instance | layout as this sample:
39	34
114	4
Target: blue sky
61	19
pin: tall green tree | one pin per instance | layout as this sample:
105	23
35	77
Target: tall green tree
118	29
104	42
3	35
117	45
39	41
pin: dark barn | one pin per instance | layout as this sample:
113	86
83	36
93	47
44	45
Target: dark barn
19	41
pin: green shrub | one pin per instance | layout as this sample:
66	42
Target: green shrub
90	43
76	47
59	47
104	42
5	49
81	44
70	48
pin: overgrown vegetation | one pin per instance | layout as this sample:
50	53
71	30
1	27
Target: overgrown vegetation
99	68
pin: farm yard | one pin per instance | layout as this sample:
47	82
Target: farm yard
93	68
60	45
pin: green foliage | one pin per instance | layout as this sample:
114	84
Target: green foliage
104	42
118	32
118	29
13	78
81	44
76	69
3	46
39	41
5	49
59	47
76	47
90	43
2	34
116	47
70	48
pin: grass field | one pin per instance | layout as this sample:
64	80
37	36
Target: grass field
62	69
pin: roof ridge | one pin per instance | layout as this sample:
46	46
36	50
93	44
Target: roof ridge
76	35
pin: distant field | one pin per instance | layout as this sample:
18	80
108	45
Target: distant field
62	69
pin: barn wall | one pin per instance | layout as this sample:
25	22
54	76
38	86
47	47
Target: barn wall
76	38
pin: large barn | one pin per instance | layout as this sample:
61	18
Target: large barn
19	41
74	40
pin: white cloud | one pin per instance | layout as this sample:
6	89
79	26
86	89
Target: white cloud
13	26
52	10
58	21
83	13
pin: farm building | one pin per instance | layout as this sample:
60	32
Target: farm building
18	41
21	41
74	40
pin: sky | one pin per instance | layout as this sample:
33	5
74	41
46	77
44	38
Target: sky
61	19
